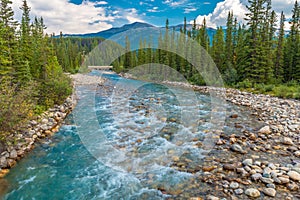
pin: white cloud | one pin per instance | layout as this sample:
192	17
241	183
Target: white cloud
219	16
153	10
175	4
188	10
61	15
131	15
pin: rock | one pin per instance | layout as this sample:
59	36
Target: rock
297	153
45	121
294	175
256	177
44	127
271	185
208	168
252	192
13	154
239	191
237	148
293	187
3	162
210	197
287	141
269	192
283	180
266	180
234	185
3	173
265	130
234	116
248	162
230	167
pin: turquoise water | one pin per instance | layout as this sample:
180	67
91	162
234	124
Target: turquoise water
127	153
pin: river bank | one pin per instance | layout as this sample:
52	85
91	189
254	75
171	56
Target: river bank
43	126
262	163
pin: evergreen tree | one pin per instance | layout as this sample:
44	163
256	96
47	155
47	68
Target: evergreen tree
292	50
279	59
8	40
229	41
218	53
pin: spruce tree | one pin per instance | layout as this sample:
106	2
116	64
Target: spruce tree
292	50
279	59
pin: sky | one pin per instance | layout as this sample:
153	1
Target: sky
90	16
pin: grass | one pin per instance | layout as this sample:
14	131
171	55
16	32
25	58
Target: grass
289	90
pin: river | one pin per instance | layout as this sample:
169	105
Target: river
148	132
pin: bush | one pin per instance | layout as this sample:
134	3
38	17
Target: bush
244	84
54	91
16	104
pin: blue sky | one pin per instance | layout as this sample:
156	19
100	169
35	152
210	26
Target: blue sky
156	12
90	16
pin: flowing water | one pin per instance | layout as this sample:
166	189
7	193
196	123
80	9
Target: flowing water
141	130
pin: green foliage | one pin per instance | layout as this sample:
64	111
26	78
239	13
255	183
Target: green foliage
16	105
31	79
54	91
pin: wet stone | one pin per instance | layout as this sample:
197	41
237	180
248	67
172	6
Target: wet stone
252	192
294	175
269	192
234	185
239	191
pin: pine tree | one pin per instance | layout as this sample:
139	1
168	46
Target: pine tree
128	57
292	50
8	40
229	41
218	53
279	62
255	68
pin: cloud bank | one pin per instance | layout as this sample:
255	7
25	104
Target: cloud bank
219	16
87	17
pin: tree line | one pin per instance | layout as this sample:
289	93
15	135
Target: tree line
258	54
31	78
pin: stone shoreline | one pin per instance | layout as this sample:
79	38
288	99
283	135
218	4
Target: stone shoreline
44	126
249	169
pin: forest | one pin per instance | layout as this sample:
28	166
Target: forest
31	78
259	56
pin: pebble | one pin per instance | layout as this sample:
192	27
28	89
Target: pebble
283	180
237	148
297	153
230	167
210	197
265	130
248	162
256	177
294	175
270	192
234	185
252	192
293	187
287	141
239	191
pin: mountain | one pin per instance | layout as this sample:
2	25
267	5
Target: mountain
113	31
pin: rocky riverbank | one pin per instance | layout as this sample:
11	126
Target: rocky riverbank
263	163
22	142
45	125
